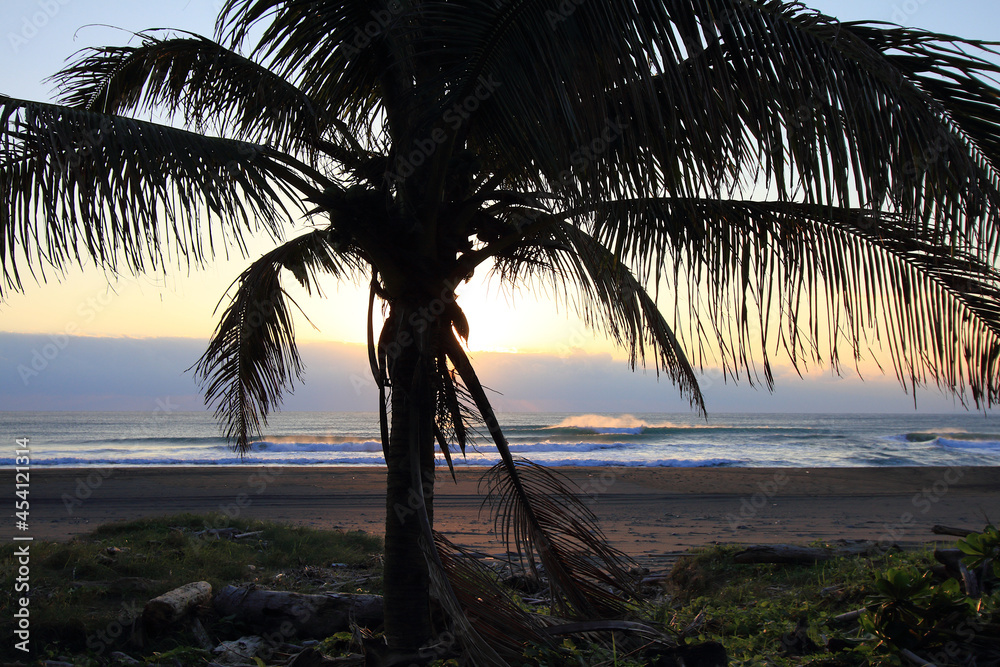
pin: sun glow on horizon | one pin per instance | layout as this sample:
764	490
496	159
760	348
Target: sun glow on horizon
189	304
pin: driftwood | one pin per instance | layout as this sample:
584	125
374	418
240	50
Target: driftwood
176	604
297	614
217	533
848	617
240	651
951	530
791	554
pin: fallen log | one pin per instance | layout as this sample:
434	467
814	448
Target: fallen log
298	614
951	530
790	554
174	605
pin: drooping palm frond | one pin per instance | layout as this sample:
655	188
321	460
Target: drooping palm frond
540	515
819	275
491	609
456	413
607	297
114	188
252	358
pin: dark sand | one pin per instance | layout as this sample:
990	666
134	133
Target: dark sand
650	513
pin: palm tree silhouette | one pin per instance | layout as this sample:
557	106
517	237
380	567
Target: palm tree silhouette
794	181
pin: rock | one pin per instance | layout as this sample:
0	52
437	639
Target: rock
239	651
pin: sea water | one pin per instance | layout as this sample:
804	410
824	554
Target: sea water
165	438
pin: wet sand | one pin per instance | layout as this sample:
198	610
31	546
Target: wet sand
650	513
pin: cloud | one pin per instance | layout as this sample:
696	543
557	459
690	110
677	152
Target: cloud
42	372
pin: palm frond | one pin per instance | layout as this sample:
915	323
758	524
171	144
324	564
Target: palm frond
378	367
539	514
819	275
322	47
948	70
122	189
213	89
607	297
491	609
694	99
252	358
457	416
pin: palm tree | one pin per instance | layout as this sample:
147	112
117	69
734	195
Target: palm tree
793	180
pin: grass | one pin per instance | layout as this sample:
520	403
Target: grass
756	610
88	593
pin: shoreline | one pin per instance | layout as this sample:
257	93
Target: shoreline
649	513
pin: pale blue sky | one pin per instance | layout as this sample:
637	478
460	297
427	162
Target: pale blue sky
573	368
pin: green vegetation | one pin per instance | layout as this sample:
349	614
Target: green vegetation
787	615
944	621
87	595
768	614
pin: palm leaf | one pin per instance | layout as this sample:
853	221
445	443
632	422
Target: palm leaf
607	297
817	275
824	111
539	514
491	609
213	88
314	46
252	358
127	190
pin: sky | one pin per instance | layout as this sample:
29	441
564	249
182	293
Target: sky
87	340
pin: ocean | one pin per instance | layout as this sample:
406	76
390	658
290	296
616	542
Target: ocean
166	438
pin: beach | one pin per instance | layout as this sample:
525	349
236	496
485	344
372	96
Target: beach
652	514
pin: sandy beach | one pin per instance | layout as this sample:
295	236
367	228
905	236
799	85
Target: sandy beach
650	513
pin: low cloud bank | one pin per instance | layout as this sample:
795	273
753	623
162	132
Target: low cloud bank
43	372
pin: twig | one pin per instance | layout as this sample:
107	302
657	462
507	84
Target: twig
252	534
916	659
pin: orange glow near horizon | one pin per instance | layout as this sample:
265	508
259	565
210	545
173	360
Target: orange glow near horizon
183	304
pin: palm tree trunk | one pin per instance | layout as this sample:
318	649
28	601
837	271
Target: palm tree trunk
410	479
